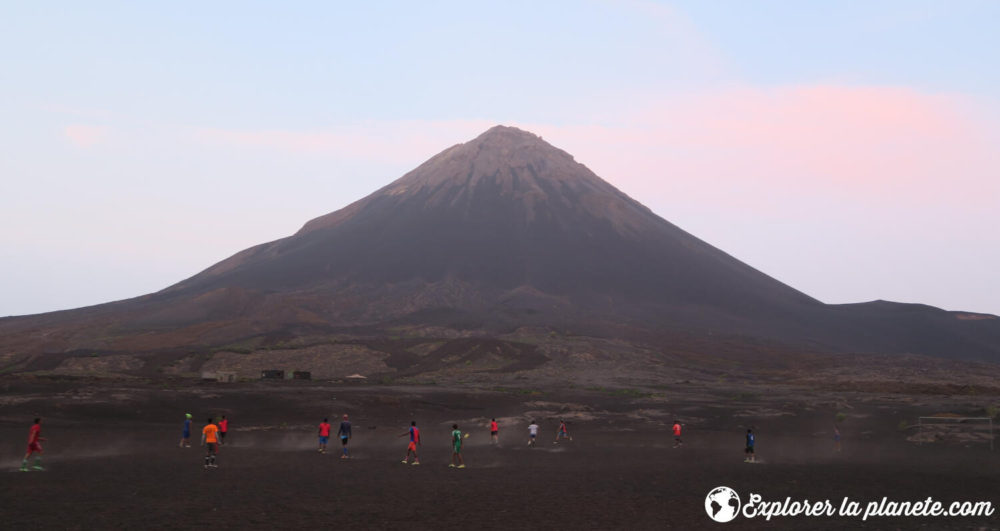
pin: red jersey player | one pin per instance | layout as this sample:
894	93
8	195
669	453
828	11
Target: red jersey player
34	446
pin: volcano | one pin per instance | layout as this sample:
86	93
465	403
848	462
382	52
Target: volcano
499	234
502	231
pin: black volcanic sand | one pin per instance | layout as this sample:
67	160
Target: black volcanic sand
113	460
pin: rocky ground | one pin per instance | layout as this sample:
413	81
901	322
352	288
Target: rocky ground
113	459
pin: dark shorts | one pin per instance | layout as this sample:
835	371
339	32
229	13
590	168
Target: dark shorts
222	434
749	449
211	447
493	433
343	440
186	435
323	439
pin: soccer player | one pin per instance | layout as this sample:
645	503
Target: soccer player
186	432
456	447
836	439
562	432
532	433
414	434
345	435
324	435
210	440
34	447
749	449
494	431
677	434
223	428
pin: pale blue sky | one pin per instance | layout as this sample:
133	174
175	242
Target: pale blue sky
142	142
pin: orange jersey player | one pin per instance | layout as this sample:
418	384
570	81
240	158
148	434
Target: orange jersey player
210	439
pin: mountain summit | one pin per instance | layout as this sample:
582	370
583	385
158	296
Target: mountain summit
497	235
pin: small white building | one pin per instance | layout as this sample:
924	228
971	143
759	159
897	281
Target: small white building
219	376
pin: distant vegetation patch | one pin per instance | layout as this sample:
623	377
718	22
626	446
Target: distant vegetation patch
745	396
518	391
974	317
94	364
625	392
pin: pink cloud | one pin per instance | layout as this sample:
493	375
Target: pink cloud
85	136
862	143
750	146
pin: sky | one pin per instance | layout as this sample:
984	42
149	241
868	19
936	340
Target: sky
848	149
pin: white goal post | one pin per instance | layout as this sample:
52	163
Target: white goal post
976	423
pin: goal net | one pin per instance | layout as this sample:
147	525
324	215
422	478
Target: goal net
955	430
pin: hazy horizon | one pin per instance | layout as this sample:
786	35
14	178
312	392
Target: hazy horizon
847	151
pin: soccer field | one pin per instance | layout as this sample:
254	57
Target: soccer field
115	462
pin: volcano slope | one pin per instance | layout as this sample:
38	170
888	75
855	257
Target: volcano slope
504	237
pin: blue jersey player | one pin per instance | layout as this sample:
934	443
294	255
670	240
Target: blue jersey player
345	435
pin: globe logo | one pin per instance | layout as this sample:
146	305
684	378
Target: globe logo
722	504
